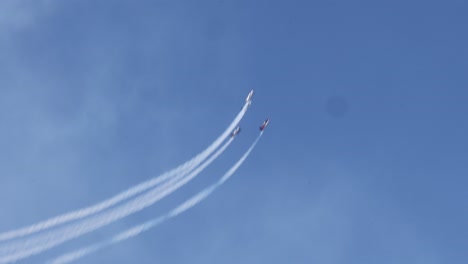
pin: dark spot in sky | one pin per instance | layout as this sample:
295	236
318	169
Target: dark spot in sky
215	28
337	106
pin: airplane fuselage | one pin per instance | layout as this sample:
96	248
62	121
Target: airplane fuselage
249	97
235	132
265	124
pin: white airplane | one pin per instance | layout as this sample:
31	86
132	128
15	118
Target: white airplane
235	132
249	97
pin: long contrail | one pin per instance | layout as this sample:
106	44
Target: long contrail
31	246
134	231
84	212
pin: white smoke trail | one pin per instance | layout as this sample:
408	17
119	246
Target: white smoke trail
84	212
134	231
32	246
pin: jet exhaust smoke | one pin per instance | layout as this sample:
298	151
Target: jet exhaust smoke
32	246
136	230
84	212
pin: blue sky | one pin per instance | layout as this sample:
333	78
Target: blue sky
364	161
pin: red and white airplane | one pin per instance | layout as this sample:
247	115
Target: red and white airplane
249	97
235	132
265	124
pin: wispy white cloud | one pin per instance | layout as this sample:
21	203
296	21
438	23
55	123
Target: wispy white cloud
17	15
